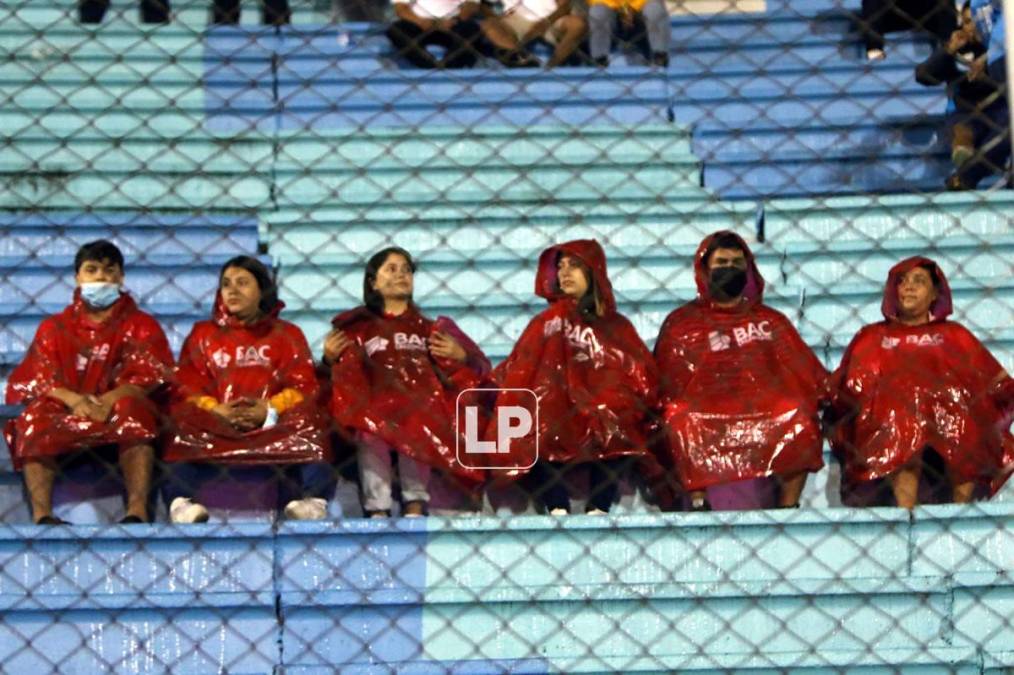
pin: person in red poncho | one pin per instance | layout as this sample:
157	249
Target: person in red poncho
395	376
741	391
594	377
245	396
916	382
85	384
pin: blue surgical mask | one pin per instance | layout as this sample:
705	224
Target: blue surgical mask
99	294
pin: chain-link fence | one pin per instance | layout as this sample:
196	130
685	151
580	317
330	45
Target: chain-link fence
611	336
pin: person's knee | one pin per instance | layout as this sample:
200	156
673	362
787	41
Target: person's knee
600	17
655	11
572	24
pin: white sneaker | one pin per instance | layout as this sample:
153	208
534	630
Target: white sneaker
185	510
310	508
875	55
595	512
559	512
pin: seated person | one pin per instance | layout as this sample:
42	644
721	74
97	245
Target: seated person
916	382
633	14
453	25
152	11
878	17
86	383
273	12
245	395
395	376
740	388
595	378
548	20
990	120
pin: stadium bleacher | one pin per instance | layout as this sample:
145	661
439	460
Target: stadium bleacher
310	143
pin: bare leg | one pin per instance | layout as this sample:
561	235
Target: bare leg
905	484
498	33
40	474
792	488
573	31
963	492
137	464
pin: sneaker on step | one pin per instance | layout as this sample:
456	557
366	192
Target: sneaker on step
875	55
559	512
309	508
184	510
595	512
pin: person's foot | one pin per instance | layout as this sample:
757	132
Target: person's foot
961	154
559	511
309	508
184	510
517	58
660	59
131	519
595	512
51	520
414	509
601	62
382	513
955	184
875	54
700	504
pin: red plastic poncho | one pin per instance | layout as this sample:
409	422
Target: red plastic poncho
389	385
595	379
226	360
902	388
74	352
740	389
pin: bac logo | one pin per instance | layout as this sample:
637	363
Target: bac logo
513	422
98	353
375	344
718	341
890	342
925	340
244	357
744	335
410	342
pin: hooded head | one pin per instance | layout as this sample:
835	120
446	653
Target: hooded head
725	269
919	288
590	255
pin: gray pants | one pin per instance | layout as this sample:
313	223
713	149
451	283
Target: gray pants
602	19
375	475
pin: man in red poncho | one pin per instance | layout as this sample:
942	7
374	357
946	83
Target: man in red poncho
245	395
594	377
917	382
395	375
740	388
85	384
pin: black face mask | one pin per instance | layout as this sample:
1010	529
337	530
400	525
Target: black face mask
727	282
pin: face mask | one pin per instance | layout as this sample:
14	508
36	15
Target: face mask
727	282
99	294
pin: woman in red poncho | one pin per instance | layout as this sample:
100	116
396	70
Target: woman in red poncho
85	383
740	389
395	376
246	395
594	377
917	382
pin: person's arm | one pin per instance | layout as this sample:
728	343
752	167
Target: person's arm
468	11
542	25
403	10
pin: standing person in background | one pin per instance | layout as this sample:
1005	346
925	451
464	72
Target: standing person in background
273	12
595	381
741	391
395	376
914	383
87	383
602	17
939	18
152	11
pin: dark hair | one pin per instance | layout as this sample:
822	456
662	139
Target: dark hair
98	251
590	303
934	275
723	240
372	298
265	279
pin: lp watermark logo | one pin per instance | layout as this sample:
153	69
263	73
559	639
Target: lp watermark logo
515	416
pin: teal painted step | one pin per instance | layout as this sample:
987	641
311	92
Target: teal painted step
874	219
498	231
115	122
142	152
548	180
437	148
162	70
98	97
55	189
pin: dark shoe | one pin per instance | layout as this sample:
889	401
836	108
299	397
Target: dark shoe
660	59
517	59
382	513
955	184
51	520
602	61
700	506
132	520
414	509
790	506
